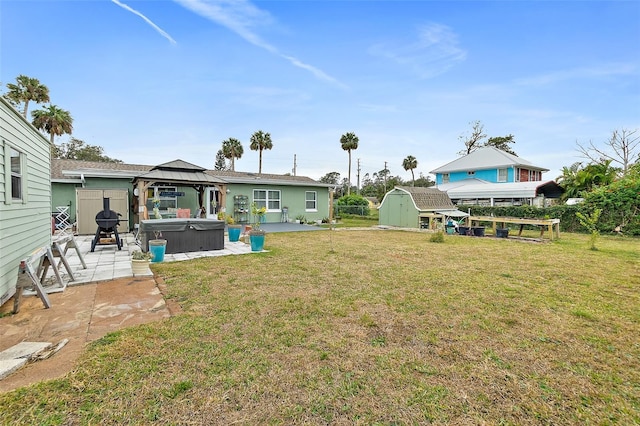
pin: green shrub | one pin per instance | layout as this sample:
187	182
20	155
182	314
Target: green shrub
438	237
352	204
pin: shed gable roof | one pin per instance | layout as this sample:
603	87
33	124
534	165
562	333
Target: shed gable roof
428	198
486	157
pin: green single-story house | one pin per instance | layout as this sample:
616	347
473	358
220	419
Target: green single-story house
178	187
25	195
416	207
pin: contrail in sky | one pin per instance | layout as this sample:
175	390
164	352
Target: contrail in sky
147	20
241	17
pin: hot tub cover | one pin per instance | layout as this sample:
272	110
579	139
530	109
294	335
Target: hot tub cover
180	224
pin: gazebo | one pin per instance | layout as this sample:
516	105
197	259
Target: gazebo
178	173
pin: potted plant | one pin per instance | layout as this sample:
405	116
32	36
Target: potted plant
140	262
157	247
232	229
257	235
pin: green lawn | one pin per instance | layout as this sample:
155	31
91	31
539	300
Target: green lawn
372	327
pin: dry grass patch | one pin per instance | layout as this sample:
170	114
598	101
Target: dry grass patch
363	327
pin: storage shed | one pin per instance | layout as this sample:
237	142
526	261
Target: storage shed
416	207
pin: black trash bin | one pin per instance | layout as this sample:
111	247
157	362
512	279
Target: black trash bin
502	233
477	231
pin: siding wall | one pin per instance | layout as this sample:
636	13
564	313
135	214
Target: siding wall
398	209
25	225
64	194
292	197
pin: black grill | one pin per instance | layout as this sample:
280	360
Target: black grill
108	222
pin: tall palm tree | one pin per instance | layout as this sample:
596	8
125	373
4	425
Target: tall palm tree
410	163
232	149
53	120
349	142
27	89
259	142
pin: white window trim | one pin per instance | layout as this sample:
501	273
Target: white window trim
267	199
506	175
445	178
315	201
156	193
8	175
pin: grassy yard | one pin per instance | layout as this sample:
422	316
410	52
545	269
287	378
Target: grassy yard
372	327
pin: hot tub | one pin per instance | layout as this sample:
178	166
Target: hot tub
184	235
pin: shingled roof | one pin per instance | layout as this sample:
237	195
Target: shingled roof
428	198
69	169
92	167
265	178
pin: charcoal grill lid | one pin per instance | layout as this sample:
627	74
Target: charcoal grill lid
107	219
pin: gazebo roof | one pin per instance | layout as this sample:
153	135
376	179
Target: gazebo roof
179	172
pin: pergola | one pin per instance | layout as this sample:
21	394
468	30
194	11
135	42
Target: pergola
178	173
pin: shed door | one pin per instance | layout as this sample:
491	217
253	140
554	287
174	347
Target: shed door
89	203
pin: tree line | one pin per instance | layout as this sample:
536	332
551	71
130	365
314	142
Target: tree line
51	120
606	164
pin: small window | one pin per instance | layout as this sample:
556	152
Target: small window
16	174
445	178
502	175
471	173
311	200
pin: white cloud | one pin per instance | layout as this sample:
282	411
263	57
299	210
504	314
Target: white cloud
434	52
603	71
243	18
147	20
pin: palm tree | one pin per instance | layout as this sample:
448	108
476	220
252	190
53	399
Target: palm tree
27	89
410	163
259	142
232	149
53	120
349	142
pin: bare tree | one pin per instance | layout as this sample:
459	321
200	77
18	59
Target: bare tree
473	141
622	148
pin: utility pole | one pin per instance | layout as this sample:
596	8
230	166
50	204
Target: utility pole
385	177
358	175
294	164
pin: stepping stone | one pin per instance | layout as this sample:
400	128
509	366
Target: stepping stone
17	356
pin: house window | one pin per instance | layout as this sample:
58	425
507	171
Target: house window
16	174
311	201
166	202
445	178
269	198
502	175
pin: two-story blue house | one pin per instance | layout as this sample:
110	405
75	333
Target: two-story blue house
489	176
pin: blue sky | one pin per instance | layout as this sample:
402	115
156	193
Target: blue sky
153	81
